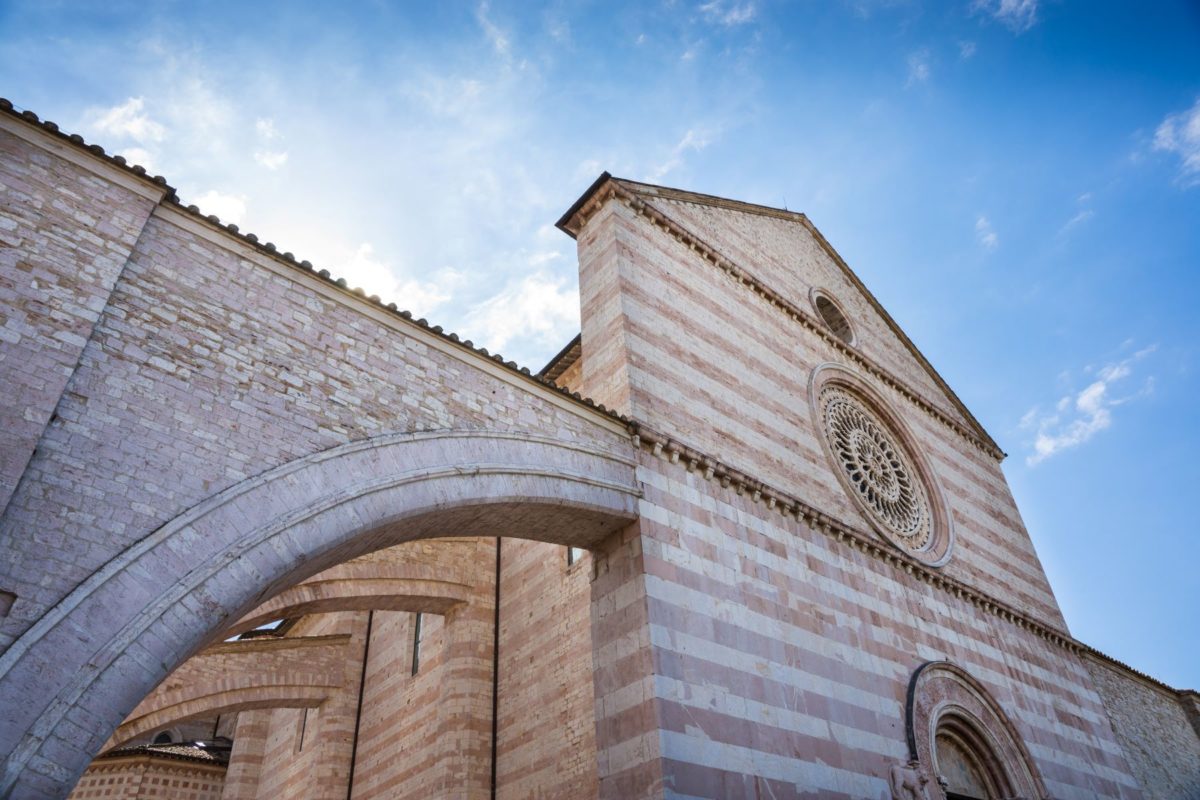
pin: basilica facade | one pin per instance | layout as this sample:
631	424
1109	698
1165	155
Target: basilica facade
266	536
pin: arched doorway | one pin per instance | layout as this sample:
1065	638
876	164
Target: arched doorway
962	745
95	655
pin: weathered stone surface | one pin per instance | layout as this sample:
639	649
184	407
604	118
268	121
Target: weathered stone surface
204	436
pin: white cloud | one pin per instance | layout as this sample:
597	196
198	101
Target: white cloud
141	157
728	14
1078	417
128	120
271	159
1017	15
694	140
1081	217
985	233
229	207
1179	133
966	50
365	270
498	38
265	128
541	306
919	69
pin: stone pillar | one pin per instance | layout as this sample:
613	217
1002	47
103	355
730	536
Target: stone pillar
465	696
331	771
628	746
246	759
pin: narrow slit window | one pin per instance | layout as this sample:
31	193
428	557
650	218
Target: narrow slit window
574	554
416	662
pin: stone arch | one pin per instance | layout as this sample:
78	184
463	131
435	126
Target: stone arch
229	702
88	661
944	699
367	594
296	672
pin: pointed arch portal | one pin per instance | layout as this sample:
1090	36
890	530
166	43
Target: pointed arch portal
87	662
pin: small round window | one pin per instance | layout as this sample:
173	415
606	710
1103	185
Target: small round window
831	314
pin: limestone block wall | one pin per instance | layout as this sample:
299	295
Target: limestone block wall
302	752
65	234
397	750
546	745
211	362
1152	723
781	657
695	353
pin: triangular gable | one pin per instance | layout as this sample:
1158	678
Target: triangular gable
784	251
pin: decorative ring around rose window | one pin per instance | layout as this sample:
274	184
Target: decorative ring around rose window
878	464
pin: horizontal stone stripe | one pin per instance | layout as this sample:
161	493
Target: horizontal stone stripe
642	748
839	577
771	630
791	273
983	564
717	388
858	729
766	736
696	782
1080	770
679	746
686	620
783	674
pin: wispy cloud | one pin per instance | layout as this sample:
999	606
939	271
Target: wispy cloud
128	120
919	68
541	306
1079	416
986	233
1081	217
374	275
1179	133
966	50
728	14
494	33
1017	15
696	139
271	158
229	207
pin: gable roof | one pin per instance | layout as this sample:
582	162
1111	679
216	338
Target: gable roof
570	223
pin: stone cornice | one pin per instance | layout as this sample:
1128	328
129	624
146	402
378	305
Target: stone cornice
1149	680
613	189
782	503
269	644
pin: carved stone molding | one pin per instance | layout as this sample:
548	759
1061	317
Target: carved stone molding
945	701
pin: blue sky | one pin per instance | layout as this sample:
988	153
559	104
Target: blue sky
1018	181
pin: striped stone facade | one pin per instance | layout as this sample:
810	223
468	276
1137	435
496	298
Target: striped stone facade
204	435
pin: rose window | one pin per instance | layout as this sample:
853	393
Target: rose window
877	469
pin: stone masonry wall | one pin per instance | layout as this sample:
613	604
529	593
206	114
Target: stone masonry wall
782	657
1152	724
781	654
397	753
716	365
212	362
65	234
150	778
546	716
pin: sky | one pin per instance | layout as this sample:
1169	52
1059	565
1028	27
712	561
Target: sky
1017	181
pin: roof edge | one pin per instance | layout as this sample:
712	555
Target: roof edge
555	362
565	220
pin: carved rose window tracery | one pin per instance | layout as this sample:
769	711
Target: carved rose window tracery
879	472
